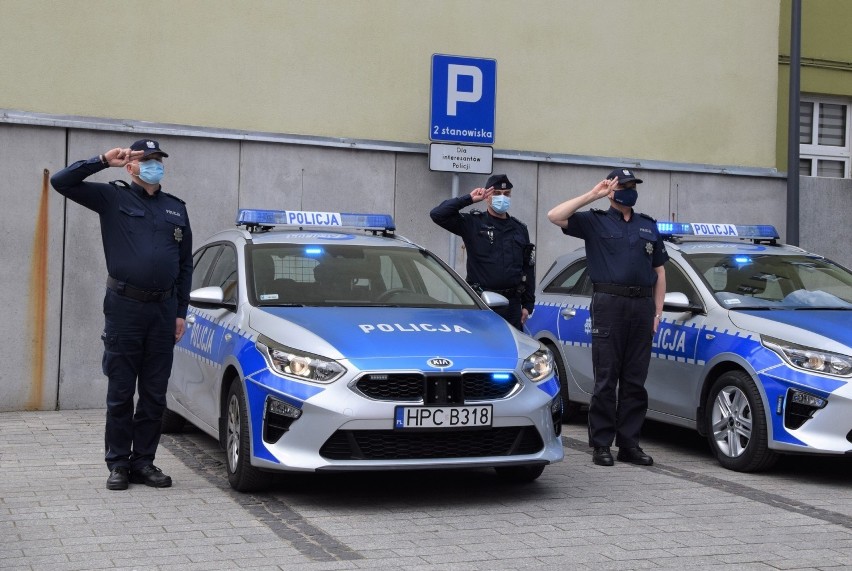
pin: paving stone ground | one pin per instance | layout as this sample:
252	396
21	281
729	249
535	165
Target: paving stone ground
685	512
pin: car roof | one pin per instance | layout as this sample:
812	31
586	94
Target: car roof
734	247
695	246
297	236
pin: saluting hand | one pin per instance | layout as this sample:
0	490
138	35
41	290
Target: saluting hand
119	157
480	194
605	187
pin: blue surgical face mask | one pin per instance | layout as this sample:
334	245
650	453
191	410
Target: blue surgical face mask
626	196
500	204
151	171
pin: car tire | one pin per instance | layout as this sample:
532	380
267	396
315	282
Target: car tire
242	476
736	424
519	474
570	410
172	422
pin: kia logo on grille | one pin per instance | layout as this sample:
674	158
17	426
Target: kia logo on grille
439	363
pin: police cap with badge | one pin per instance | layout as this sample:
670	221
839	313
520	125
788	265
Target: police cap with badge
624	176
149	146
499	182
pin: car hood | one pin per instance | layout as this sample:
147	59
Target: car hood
799	326
469	338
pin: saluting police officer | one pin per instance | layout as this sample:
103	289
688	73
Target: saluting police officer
625	263
147	242
500	256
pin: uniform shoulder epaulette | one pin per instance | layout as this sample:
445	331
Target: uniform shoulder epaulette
173	196
598	211
475	212
648	217
121	183
518	221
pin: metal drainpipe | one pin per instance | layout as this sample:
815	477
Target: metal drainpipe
793	125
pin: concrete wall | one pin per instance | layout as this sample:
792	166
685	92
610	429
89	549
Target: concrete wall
32	227
54	272
825	204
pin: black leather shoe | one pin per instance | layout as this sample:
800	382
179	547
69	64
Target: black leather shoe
152	476
602	456
634	455
118	478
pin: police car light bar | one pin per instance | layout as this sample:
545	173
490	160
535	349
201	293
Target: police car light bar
300	218
748	231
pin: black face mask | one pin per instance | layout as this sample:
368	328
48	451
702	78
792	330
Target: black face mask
626	196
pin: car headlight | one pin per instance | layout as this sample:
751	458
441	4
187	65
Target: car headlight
539	365
810	359
299	364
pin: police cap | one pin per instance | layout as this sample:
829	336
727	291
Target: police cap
498	181
150	147
624	176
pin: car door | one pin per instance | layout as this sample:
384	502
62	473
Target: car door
574	324
186	368
210	336
674	373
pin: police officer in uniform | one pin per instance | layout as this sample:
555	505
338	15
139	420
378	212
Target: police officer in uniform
500	256
147	242
625	263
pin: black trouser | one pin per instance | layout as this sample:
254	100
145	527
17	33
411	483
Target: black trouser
622	330
511	312
139	342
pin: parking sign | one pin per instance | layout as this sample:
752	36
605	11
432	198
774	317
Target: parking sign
464	94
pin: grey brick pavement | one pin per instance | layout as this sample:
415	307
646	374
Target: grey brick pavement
685	512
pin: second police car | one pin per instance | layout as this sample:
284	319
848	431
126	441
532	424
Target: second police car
323	341
754	349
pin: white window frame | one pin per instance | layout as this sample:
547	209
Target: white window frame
816	152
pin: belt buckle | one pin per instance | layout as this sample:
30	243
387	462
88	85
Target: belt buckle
634	291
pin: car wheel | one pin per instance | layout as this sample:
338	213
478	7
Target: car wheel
172	422
736	424
519	474
569	409
242	476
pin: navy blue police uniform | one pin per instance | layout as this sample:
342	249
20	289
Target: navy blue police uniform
621	256
147	244
500	256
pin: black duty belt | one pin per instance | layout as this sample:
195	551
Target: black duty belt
624	290
128	290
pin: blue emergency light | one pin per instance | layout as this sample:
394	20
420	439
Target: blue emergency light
301	219
716	230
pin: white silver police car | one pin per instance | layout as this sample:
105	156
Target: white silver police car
754	349
322	341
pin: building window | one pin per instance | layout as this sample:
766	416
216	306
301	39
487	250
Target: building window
824	137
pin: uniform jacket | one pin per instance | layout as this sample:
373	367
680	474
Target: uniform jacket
500	255
147	240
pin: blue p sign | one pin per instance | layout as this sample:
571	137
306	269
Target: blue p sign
463	99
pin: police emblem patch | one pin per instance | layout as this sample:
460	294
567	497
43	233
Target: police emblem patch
649	247
178	234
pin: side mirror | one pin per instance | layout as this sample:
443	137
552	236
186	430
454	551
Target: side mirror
210	295
677	301
492	299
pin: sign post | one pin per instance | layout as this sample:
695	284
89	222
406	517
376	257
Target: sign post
462	111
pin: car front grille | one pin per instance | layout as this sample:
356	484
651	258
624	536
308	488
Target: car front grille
401	445
412	387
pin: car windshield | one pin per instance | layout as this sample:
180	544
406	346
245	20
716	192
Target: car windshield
749	281
352	275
